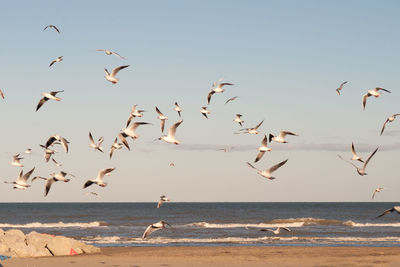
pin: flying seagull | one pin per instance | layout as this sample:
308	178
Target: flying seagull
262	149
154	227
170	138
99	178
377	190
374	92
341	87
47	96
28	151
59	59
178	109
20	183
252	130
268	173
281	137
16	161
390	119
238	119
355	156
53	27
48	152
162	118
55	177
216	89
395	208
56	139
205	111
93	144
231	99
361	171
162	200
134	113
131	130
109	52
111	76
115	146
277	231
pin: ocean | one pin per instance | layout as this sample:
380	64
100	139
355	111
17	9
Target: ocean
209	224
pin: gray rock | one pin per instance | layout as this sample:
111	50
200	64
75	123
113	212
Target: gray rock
38	240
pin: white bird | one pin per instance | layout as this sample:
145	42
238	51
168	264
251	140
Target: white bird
172	164
56	139
170	138
48	152
281	137
162	118
111	76
16	161
1	94
374	92
154	227
178	109
47	96
21	182
361	171
341	87
205	111
390	119
56	163
28	151
53	27
99	178
238	119
55	177
131	130
268	173
115	146
355	156
277	231
162	200
134	113
262	149
59	59
231	99
109	52
93	144
395	208
216	89
377	190
252	130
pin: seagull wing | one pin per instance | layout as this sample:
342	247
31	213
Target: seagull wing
150	229
103	172
137	124
172	129
382	89
162	125
251	166
51	64
286	229
284	133
386	212
348	162
1	94
209	96
115	53
116	70
223	84
64	143
88	183
121	137
259	156
27	175
264	142
48	185
277	166
369	158
160	202
91	139
41	102
373	195
258	125
353	151
53	93
364	99
384	125
159	112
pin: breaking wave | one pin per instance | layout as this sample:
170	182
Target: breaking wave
54	225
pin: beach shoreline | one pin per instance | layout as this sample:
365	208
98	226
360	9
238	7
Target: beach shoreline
222	256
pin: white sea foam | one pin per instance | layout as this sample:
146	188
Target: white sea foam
54	225
355	224
243	225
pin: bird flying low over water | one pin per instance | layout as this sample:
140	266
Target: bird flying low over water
205	111
377	190
162	118
109	52
390	119
277	230
21	182
115	146
374	92
268	173
361	171
154	227
162	200
99	178
170	138
16	161
216	89
178	109
252	130
93	144
47	96
59	59
52	27
341	87
231	99
238	119
395	208
111	76
262	149
281	137
355	156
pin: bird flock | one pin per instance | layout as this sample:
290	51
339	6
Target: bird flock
131	131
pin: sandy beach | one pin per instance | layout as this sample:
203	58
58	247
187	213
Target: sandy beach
222	256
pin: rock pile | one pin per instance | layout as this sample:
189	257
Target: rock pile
16	244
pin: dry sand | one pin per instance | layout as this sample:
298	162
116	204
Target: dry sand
221	256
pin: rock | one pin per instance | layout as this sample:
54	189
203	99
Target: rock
38	240
89	249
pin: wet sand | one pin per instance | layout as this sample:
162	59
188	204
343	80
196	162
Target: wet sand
221	256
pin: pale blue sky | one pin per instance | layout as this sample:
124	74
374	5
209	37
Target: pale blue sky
286	58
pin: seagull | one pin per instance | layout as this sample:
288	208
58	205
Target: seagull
1	94
204	111
109	52
131	130
56	139
48	152
162	200
374	92
216	89
238	119
93	144
390	119
281	137
277	231
47	96
114	146
267	173
377	190
154	227
99	178
16	161
56	163
28	151
172	164
262	149
20	183
162	118
341	87
56	60
111	77
395	208
170	138
178	109
252	130
361	171
55	177
355	156
231	99
51	26
134	113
